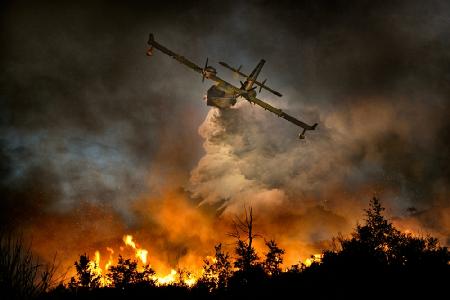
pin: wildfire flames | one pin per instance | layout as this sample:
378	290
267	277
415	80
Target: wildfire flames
182	236
314	258
96	268
141	254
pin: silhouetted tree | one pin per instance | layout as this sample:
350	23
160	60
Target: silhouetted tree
246	254
274	258
372	244
388	246
378	235
295	269
216	272
126	273
425	253
378	253
86	275
249	272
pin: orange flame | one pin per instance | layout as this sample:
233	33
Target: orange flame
140	253
189	279
168	279
314	258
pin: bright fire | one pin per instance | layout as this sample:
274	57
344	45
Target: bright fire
314	258
95	266
184	277
168	279
140	253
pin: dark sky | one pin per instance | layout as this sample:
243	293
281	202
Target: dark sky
86	117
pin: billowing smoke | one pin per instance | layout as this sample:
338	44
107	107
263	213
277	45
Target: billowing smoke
98	140
371	148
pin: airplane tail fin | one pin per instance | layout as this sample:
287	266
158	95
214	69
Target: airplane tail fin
248	84
262	85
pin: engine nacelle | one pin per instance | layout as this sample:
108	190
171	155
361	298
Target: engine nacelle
208	71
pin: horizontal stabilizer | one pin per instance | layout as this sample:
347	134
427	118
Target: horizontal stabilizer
261	85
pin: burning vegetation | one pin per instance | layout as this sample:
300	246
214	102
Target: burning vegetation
376	256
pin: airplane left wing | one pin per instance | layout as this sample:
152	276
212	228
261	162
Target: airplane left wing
204	71
179	58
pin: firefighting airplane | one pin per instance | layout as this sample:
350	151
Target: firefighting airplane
224	94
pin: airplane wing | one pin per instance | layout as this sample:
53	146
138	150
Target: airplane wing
179	58
280	113
188	63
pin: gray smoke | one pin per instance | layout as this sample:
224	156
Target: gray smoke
87	117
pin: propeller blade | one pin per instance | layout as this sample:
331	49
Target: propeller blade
204	70
262	84
236	72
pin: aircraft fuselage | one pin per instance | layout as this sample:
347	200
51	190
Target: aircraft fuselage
220	96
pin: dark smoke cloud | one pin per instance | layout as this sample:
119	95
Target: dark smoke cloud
86	117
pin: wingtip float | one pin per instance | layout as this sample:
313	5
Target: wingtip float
223	94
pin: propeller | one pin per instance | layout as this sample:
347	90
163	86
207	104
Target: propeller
261	86
204	70
236	73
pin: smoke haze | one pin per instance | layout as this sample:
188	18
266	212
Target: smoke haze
98	140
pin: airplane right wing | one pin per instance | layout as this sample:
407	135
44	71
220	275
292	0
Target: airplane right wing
281	114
